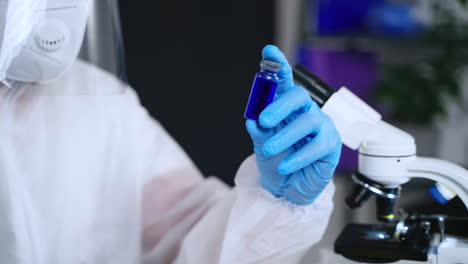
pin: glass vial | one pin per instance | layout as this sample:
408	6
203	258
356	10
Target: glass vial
263	89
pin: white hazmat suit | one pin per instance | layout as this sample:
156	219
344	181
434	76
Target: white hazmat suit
87	176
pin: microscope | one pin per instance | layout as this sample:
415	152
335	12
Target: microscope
387	160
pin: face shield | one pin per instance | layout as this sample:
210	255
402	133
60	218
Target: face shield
61	47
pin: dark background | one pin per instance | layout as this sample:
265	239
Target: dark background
192	63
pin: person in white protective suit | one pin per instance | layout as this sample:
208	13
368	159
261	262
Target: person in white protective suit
87	176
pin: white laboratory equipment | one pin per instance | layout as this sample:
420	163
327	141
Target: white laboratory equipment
387	160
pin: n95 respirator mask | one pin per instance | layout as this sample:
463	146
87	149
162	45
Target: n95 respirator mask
40	39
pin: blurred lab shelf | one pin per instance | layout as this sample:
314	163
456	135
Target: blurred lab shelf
388	49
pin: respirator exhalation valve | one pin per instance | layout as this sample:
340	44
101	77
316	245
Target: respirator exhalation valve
52	34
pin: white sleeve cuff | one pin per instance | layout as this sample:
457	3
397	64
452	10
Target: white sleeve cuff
263	228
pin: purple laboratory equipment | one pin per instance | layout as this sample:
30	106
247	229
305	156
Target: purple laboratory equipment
356	70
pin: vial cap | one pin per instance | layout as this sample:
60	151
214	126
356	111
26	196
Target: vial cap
270	65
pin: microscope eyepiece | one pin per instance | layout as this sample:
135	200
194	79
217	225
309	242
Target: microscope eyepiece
319	91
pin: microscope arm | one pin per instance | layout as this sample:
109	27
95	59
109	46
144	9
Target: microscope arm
451	175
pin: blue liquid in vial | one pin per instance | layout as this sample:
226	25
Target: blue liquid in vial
262	94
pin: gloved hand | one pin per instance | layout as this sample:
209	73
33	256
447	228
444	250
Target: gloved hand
296	145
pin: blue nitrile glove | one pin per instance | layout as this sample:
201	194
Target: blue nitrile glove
296	145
